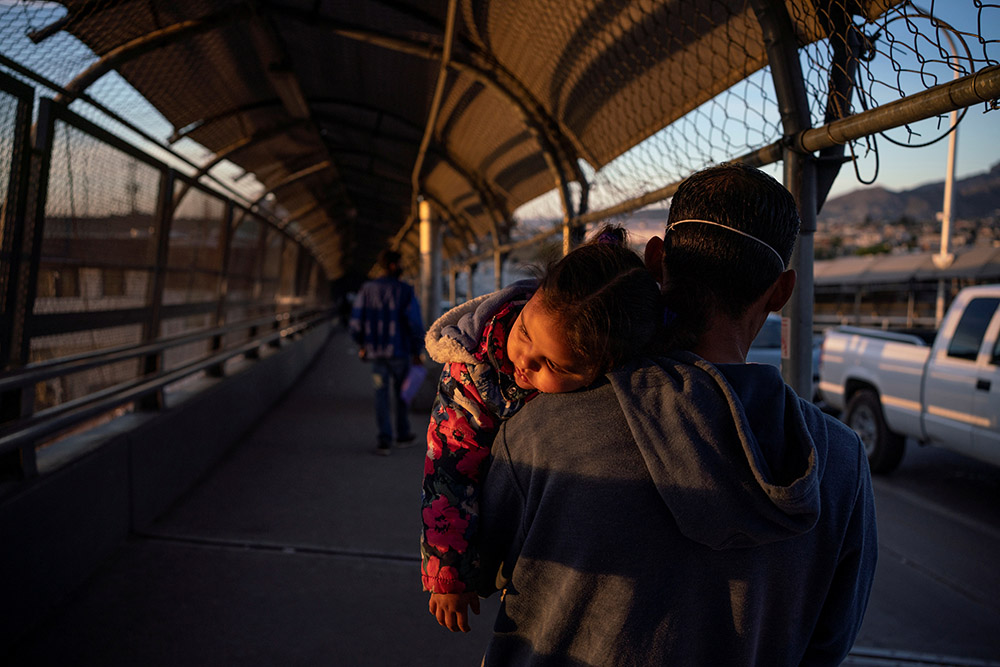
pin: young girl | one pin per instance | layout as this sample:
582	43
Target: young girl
591	311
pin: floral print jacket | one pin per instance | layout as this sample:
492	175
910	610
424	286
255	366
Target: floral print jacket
474	397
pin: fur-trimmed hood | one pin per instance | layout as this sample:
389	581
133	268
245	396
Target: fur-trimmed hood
455	336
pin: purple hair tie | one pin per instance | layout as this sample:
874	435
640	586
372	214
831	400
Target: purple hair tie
608	237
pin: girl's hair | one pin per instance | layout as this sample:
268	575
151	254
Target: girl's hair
605	298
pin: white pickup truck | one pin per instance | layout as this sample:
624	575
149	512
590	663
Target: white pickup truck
944	392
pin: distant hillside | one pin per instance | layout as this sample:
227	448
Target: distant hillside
976	197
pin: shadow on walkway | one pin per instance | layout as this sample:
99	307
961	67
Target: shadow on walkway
300	548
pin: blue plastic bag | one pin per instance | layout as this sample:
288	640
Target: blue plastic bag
411	384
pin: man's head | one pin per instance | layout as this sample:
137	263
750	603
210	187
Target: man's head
391	262
729	237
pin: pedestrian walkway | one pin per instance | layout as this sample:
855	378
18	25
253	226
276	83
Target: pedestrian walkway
300	548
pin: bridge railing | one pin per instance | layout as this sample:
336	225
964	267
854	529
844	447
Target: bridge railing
21	437
123	279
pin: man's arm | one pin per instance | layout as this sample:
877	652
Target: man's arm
357	315
502	519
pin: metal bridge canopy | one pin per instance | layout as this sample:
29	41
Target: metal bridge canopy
349	114
341	92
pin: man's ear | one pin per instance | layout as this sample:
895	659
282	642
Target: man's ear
781	292
652	256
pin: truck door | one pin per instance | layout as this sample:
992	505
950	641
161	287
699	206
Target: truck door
986	433
951	378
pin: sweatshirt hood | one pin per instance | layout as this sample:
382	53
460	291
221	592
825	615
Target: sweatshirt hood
727	447
456	335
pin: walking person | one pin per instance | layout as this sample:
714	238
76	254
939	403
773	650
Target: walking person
386	325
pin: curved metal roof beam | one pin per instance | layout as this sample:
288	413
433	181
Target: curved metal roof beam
180	133
544	128
289	180
432	116
435	150
150	42
156	40
277	103
487	197
229	151
457	222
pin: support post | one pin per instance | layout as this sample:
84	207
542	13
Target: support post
572	235
453	287
470	281
497	269
226	230
430	263
153	363
800	179
13	221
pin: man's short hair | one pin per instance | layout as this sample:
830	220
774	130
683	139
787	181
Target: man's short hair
707	266
391	262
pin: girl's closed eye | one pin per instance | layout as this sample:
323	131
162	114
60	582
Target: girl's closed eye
540	353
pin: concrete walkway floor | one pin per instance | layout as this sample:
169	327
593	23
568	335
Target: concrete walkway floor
300	548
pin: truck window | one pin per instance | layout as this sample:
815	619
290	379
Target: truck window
971	328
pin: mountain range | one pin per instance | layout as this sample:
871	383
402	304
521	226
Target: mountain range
977	197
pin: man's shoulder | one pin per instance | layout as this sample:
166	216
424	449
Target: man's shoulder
552	413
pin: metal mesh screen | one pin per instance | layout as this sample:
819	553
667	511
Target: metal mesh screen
195	251
175	357
271	268
99	241
8	133
244	267
885	56
8	117
289	270
587	64
905	50
97	279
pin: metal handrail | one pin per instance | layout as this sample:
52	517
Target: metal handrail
28	431
50	368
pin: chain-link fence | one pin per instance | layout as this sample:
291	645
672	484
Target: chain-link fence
853	61
118	272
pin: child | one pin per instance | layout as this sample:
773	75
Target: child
591	311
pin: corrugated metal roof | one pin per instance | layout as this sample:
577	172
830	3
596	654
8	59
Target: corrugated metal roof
326	101
979	263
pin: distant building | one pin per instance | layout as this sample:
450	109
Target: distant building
896	290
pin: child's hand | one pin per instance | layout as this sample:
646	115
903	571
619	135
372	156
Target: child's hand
450	609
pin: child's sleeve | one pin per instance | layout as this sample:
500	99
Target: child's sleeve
459	438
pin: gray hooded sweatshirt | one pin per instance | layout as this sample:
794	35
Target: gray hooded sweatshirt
678	513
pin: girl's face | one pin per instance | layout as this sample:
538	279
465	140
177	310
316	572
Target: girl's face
541	356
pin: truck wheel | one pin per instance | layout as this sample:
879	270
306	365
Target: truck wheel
883	447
